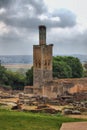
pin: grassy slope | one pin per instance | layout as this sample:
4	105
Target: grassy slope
10	120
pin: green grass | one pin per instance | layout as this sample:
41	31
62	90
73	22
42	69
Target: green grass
11	120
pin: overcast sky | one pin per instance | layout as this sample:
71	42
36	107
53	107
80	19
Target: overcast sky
66	22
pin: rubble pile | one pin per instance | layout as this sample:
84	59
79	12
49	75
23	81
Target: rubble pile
77	101
46	109
82	96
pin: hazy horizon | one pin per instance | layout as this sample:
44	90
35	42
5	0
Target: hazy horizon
32	54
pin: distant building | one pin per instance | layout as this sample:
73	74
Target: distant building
42	59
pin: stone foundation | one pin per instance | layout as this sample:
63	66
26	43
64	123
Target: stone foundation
58	87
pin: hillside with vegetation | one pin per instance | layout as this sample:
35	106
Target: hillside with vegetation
63	67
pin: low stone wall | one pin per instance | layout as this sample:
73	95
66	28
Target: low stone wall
58	87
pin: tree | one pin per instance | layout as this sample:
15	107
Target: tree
13	79
3	77
76	66
85	73
29	77
67	67
16	80
85	65
85	69
61	70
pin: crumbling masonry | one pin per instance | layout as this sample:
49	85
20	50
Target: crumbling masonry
42	60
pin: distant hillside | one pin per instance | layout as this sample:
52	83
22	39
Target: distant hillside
82	58
28	59
16	59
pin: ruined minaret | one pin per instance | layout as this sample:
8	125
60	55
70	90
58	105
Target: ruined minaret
42	35
42	60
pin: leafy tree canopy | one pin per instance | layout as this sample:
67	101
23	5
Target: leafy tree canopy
3	77
67	67
29	77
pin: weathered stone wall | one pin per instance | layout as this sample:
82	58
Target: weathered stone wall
62	86
28	89
42	61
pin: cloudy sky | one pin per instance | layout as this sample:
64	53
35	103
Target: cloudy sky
66	22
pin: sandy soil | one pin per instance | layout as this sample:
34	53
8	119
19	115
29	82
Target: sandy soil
18	66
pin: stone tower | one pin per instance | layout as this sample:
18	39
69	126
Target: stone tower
42	60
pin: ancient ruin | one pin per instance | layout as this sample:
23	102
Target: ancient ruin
42	60
47	94
43	82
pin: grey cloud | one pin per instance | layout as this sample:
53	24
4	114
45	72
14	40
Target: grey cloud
11	43
12	36
18	36
75	44
6	3
21	16
67	18
18	15
38	5
32	22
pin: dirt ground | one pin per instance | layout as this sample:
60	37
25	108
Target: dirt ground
74	126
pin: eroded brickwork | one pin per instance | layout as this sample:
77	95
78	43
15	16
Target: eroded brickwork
58	87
